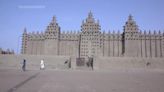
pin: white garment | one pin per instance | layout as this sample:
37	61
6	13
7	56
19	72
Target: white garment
42	66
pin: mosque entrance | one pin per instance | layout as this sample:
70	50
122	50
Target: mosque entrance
90	62
80	61
86	63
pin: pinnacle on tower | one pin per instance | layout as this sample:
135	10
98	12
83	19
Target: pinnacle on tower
130	17
90	15
53	19
25	30
130	21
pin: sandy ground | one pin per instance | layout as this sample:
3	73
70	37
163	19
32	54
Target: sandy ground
81	81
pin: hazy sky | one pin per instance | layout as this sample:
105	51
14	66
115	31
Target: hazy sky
35	15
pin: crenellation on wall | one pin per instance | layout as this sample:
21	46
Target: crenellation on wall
68	43
69	36
151	44
35	43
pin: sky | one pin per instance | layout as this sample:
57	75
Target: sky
35	15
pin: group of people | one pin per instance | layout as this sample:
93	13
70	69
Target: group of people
42	65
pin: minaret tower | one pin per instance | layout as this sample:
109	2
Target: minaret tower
131	36
52	34
90	37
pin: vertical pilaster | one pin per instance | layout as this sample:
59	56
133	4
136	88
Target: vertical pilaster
150	43
140	38
118	36
24	42
155	43
160	39
109	37
113	43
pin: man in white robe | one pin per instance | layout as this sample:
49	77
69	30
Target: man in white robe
42	66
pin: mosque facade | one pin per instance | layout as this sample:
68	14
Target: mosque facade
92	42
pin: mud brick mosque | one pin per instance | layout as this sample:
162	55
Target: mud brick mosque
92	42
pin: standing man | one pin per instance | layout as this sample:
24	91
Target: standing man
92	63
24	65
42	66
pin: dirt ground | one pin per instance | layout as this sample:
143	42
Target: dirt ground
81	81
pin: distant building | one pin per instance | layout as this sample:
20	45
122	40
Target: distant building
91	42
8	51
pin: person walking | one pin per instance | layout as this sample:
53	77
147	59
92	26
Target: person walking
42	65
24	65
